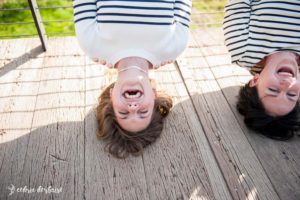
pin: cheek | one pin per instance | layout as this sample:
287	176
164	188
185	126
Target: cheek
117	105
261	90
149	104
298	82
296	86
268	82
114	96
149	99
115	101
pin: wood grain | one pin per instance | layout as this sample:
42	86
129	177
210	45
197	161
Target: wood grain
279	159
51	152
107	177
242	170
48	130
19	87
181	164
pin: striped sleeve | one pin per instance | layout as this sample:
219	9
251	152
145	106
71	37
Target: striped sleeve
84	10
274	26
255	29
236	27
182	11
85	18
105	29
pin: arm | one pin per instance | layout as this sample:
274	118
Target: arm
182	11
85	18
235	27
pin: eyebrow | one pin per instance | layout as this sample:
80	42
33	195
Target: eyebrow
122	117
271	95
141	117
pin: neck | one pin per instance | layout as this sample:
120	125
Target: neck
133	68
137	63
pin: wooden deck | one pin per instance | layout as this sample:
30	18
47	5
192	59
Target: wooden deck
49	150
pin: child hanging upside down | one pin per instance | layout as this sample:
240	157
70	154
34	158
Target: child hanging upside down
264	36
133	37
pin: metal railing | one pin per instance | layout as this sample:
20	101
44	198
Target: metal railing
37	22
199	19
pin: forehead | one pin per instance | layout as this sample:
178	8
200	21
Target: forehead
277	106
134	124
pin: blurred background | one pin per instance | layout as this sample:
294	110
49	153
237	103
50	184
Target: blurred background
57	16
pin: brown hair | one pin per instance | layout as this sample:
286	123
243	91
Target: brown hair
255	116
257	119
121	143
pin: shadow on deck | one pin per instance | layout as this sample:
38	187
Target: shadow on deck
48	145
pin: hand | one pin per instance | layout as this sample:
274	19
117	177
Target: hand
162	64
99	61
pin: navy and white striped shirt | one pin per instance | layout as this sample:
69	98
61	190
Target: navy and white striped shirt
254	29
110	30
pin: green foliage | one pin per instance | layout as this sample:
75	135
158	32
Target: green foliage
54	28
208	13
209	5
47	14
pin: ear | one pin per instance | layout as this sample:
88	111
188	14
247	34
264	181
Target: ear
153	85
110	92
155	92
254	80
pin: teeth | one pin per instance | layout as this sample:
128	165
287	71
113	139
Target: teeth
289	73
286	71
132	95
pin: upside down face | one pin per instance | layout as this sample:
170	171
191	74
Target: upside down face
278	84
133	101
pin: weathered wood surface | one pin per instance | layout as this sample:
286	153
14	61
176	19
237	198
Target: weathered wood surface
264	168
48	130
175	167
42	144
241	168
58	147
281	160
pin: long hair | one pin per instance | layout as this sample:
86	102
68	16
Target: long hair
121	143
256	118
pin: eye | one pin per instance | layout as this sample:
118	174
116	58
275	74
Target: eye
291	94
143	111
123	112
273	90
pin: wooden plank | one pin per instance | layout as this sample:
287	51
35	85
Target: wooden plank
4	45
107	177
54	152
15	48
281	160
19	87
181	165
163	172
242	170
16	53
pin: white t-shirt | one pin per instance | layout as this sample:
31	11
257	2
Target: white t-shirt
109	30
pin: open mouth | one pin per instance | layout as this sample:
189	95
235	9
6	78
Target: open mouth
132	94
287	71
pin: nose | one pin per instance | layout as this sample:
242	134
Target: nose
285	83
133	105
